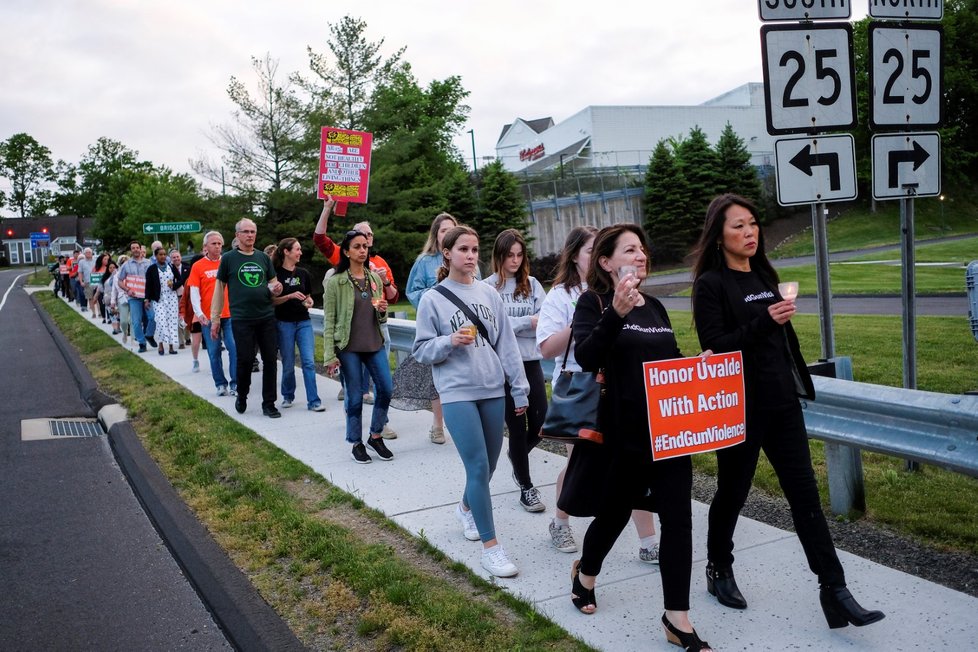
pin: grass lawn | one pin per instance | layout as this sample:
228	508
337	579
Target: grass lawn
342	575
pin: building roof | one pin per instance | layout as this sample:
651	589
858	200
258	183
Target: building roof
59	226
538	125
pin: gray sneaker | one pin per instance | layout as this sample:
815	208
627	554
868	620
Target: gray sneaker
562	538
649	555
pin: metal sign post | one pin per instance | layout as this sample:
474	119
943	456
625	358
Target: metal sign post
908	259
824	283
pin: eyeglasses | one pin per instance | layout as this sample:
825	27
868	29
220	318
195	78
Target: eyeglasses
248	231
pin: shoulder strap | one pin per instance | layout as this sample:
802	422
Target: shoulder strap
563	365
451	296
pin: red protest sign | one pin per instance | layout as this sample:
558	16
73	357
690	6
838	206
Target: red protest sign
695	404
344	164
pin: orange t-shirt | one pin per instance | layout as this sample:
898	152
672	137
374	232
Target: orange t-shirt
203	275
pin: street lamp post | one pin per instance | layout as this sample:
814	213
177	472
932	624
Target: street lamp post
475	166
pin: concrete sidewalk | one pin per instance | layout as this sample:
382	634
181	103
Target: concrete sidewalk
420	487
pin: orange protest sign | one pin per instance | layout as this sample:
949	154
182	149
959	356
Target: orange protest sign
344	165
695	404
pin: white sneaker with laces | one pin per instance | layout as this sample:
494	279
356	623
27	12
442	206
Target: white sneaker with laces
649	555
222	390
467	521
562	538
286	403
496	562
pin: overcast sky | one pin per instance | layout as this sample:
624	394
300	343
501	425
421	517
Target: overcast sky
154	75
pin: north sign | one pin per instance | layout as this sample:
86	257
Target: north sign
906	165
808	77
171	227
804	9
815	169
907	9
906	77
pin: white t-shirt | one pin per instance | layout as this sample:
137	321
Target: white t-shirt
556	314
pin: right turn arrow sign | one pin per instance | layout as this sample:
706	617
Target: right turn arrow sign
906	165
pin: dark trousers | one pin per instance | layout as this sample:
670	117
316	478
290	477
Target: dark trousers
671	482
524	429
780	432
263	334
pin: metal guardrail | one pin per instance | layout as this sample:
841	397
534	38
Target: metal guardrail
927	427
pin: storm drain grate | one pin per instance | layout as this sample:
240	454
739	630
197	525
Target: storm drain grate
36	429
75	428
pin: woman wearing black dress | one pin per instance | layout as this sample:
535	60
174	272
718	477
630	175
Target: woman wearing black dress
737	307
616	328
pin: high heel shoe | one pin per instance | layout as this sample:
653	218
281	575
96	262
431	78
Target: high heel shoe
689	641
721	583
841	608
582	598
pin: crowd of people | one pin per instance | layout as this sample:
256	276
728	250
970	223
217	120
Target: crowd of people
476	362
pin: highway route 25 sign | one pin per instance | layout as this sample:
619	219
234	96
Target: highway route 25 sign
906	76
906	165
808	77
814	169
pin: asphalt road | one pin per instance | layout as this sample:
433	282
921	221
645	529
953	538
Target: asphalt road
81	566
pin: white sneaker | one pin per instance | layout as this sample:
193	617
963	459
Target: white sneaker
222	390
467	521
496	562
196	367
437	435
286	403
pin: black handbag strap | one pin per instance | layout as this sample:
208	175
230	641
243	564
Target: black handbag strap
451	296
563	365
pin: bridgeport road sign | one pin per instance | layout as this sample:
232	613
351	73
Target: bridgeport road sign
906	165
905	76
809	83
815	169
171	227
804	10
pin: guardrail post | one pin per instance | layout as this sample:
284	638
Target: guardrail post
399	355
844	464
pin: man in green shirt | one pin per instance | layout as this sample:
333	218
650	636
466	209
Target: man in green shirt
251	282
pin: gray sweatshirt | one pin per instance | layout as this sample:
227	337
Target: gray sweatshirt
521	311
475	371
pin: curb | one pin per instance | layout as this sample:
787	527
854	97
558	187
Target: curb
248	622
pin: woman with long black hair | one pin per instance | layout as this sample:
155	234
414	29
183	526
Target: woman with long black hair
737	307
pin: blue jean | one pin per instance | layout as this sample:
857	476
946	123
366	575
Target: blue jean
214	353
290	335
136	308
366	377
477	430
79	293
379	369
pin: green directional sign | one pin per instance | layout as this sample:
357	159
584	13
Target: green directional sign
171	227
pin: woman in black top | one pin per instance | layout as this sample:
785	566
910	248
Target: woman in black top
737	307
616	328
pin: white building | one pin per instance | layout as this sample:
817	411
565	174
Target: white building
625	136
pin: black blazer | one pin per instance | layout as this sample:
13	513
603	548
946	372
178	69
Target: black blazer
724	324
153	281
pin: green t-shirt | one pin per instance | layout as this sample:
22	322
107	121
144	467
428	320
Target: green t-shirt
247	277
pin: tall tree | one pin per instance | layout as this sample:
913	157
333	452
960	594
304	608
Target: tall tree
666	199
27	165
264	148
354	70
697	161
461	199
503	207
734	168
92	178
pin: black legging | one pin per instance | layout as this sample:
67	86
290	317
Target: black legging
671	482
524	429
781	433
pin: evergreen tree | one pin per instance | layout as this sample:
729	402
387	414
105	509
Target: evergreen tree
697	161
666	198
736	173
460	195
503	207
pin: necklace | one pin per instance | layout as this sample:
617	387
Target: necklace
363	290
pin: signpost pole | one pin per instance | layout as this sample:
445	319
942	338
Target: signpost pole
823	280
909	290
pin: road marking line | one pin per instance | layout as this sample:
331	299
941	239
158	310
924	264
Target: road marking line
12	284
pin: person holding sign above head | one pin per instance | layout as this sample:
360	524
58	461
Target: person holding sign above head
616	328
737	307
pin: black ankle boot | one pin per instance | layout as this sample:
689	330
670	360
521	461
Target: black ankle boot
721	583
841	608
